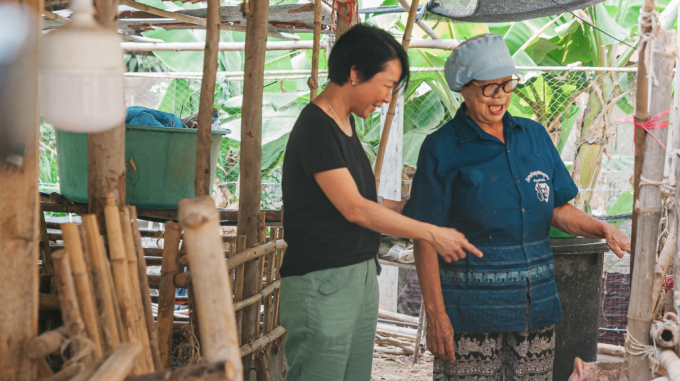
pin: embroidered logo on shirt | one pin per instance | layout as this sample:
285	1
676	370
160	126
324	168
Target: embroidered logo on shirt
542	188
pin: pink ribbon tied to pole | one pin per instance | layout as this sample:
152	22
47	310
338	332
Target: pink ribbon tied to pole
652	124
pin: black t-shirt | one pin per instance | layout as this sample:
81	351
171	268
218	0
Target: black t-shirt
318	236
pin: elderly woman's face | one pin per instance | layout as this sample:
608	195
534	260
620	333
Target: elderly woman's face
369	95
483	109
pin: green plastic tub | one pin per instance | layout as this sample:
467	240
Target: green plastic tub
164	165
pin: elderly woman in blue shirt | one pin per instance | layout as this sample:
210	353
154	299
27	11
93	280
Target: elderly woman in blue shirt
499	180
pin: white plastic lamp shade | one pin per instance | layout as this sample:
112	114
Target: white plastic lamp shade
81	74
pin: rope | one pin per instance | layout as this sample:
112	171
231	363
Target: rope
86	345
635	348
651	20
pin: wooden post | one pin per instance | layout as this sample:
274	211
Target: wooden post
641	116
19	208
83	286
251	157
166	292
393	102
202	181
144	289
105	150
238	281
648	208
314	79
211	286
104	293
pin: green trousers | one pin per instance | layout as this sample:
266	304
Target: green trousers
330	318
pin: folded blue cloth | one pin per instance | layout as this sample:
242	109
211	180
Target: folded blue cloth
142	116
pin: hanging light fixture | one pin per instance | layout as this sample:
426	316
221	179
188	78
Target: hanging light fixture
81	74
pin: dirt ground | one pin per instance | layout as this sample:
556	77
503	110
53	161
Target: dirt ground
401	368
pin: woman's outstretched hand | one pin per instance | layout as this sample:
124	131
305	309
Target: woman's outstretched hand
439	336
451	244
618	242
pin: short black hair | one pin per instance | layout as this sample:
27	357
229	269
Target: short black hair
367	49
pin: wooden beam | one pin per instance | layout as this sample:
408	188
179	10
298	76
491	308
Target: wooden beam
251	157
105	150
19	248
648	207
202	183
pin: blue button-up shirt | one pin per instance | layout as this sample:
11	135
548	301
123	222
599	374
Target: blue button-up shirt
501	197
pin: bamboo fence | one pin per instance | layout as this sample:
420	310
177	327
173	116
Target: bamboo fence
129	261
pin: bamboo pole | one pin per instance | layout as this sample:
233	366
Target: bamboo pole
426	28
219	371
144	288
105	150
166	292
219	339
419	331
262	341
279	260
250	189
664	261
103	292
641	116
648	208
202	183
393	102
68	302
120	363
19	208
313	82
670	363
238	282
121	278
269	279
83	287
135	290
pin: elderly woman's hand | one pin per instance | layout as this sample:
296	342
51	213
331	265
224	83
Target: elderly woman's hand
440	336
618	242
451	244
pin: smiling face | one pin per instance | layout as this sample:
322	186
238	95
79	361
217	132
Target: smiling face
371	94
486	110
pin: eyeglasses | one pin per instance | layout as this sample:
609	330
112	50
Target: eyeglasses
491	89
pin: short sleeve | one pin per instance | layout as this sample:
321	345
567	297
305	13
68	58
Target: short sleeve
564	187
430	199
319	148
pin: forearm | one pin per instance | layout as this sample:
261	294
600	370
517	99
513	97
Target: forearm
376	217
427	266
571	220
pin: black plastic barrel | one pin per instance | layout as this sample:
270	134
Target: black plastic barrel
578	275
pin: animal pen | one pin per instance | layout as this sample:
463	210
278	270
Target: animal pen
89	299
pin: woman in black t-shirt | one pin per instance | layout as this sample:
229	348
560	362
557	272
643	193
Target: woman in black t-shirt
329	290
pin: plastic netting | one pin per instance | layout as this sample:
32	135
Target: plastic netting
501	10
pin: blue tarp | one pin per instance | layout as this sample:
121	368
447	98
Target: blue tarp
142	116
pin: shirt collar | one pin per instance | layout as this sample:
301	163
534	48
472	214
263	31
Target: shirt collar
467	129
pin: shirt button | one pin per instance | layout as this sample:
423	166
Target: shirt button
507	149
524	243
522	210
516	178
